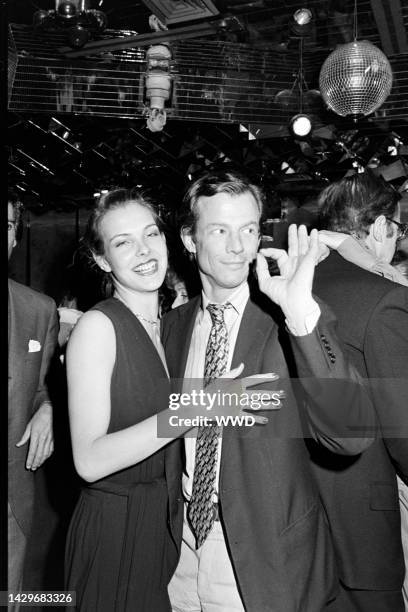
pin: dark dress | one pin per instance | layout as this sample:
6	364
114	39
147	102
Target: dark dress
120	554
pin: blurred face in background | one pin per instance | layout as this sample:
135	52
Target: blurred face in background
12	228
181	294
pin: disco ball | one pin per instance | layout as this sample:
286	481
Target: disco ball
355	79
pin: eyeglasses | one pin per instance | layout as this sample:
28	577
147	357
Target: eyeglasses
402	228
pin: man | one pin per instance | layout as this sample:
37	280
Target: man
266	545
360	493
33	331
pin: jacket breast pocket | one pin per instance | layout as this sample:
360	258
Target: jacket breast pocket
383	496
32	360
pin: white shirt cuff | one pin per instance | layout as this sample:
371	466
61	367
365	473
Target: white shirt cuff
306	324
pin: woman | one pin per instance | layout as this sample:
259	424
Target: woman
120	554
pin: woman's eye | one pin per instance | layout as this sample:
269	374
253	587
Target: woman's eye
121	243
154	233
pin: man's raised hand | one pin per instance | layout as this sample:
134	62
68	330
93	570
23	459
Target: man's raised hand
292	289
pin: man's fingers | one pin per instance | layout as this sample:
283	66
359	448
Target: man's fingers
25	437
265	400
48	447
332	239
262	269
279	255
303	240
260	420
234	372
31	452
251	381
314	243
40	454
293	241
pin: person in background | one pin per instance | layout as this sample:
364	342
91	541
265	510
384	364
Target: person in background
178	287
68	317
363	290
33	332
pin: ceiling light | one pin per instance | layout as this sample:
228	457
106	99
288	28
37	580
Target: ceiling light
301	22
286	168
301	125
302	16
67	10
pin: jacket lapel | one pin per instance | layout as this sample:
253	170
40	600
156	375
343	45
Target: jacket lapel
255	325
19	334
180	332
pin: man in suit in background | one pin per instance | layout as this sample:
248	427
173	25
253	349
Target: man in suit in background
254	533
33	332
360	493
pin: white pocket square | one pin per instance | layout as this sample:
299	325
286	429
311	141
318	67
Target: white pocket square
34	346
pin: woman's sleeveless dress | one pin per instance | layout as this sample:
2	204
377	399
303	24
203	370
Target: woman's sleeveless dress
120	554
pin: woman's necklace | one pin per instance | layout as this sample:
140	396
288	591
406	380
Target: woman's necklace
137	314
140	316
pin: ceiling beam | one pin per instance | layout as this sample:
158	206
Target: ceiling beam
390	24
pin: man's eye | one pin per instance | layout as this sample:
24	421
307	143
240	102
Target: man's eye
251	230
219	230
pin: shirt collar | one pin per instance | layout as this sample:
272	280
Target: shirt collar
237	299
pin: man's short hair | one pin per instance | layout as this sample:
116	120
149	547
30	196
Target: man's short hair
353	203
18	209
231	182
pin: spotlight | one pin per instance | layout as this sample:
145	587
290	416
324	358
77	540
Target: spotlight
302	16
301	125
67	9
301	23
285	97
79	22
39	18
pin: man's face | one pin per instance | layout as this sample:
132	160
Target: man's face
11	229
225	241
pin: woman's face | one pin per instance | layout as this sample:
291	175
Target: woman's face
135	251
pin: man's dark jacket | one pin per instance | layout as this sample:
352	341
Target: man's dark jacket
360	493
275	526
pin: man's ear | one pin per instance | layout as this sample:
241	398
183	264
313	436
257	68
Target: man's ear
379	228
102	263
188	240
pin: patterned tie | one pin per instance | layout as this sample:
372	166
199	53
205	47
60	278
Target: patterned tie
200	509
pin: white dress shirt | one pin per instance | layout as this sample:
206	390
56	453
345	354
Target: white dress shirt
195	367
